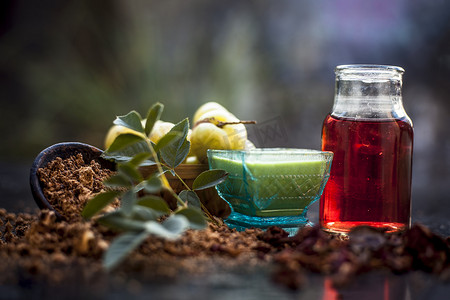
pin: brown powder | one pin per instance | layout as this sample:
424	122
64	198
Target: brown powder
68	184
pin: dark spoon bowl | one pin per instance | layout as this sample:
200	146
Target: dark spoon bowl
62	150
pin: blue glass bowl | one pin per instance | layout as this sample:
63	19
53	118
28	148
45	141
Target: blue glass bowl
271	186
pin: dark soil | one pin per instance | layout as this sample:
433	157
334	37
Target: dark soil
40	248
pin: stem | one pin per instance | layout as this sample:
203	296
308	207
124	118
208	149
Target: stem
182	181
161	171
221	124
203	207
176	174
208	214
205	210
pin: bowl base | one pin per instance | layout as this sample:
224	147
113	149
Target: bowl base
290	224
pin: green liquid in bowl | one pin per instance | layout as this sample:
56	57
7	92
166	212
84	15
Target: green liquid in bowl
271	183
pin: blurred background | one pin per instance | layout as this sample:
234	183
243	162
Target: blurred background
67	68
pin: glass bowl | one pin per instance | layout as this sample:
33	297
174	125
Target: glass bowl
271	186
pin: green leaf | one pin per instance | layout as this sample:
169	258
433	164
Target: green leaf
130	172
171	171
97	203
168	139
121	246
156	203
153	115
127	153
171	228
142	213
175	153
151	185
209	179
195	217
117	181
191	198
174	157
128	200
139	158
123	141
132	120
117	220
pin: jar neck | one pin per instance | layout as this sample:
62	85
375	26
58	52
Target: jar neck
368	92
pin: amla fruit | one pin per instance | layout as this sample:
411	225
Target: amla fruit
214	132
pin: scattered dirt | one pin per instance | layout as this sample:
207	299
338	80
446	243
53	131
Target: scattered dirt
40	248
45	248
364	250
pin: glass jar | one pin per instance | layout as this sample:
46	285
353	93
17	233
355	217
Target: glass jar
371	137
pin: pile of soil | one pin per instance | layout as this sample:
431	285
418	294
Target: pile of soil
42	248
68	184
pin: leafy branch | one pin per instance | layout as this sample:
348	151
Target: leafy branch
141	209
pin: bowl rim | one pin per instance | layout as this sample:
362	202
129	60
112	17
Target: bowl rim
292	151
62	150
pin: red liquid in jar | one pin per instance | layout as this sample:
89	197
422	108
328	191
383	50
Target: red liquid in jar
370	180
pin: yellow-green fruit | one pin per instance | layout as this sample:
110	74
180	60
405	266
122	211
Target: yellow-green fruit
209	135
216	115
192	160
117	130
188	137
249	145
159	130
114	132
237	133
207	107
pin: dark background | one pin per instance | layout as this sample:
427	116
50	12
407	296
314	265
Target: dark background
67	68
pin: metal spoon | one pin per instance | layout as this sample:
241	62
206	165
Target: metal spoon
62	150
